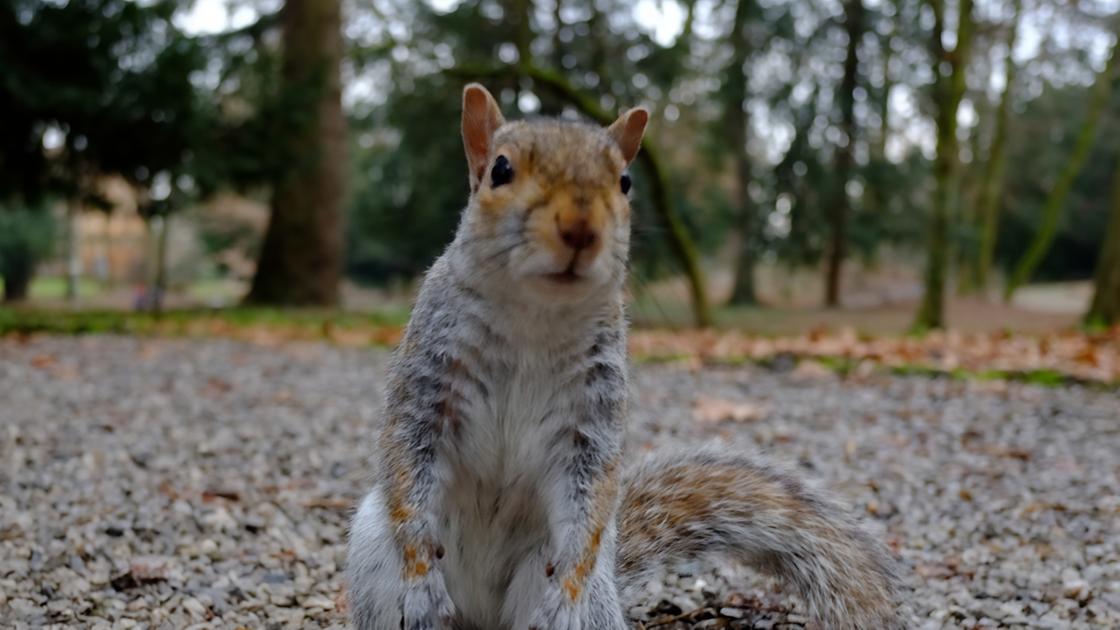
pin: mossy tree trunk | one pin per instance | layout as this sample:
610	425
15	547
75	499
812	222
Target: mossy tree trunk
991	193
949	69
1105	308
737	127
844	160
970	187
880	147
1055	201
301	259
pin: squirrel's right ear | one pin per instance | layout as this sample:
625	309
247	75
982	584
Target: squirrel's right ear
481	118
627	131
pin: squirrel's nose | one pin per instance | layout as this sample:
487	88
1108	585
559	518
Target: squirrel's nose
577	235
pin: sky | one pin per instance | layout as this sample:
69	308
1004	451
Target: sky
664	19
215	16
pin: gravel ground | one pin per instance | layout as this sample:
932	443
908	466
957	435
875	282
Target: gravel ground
168	483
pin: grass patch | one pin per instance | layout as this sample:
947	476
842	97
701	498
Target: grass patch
54	288
845	367
662	358
1040	377
288	323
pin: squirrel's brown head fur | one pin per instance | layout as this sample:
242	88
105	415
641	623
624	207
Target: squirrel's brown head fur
550	196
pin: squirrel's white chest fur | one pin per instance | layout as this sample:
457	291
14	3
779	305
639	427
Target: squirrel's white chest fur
498	478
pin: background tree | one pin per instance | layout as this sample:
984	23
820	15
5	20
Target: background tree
301	259
1105	307
770	121
26	236
737	130
1052	210
995	167
844	160
949	66
83	96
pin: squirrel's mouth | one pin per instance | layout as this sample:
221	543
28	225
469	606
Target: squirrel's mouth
568	276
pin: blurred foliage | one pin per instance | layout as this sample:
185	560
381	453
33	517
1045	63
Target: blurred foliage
409	183
95	87
1053	119
399	221
26	237
104	86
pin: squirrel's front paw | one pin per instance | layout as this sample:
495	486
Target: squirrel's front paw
556	612
427	606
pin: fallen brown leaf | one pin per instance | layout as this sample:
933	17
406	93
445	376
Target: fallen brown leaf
718	410
329	503
214	495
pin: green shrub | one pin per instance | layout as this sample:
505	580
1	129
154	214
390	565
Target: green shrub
26	236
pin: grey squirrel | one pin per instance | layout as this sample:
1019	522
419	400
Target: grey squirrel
502	497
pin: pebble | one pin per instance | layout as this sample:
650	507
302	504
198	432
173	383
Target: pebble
165	483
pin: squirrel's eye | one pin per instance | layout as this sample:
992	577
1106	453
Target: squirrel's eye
502	173
625	183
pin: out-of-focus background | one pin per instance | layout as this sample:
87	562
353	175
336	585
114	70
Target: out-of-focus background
884	165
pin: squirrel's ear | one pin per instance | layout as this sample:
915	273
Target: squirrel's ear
627	131
481	118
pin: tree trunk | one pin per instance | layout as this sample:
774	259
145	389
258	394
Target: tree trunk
17	282
885	101
1052	209
1105	308
679	239
522	21
159	280
301	260
948	92
73	256
600	34
738	130
991	194
844	161
743	292
557	42
970	187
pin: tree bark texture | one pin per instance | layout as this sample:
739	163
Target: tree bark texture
844	161
1105	308
301	259
738	128
948	91
991	195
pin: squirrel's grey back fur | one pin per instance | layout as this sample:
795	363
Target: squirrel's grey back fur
500	499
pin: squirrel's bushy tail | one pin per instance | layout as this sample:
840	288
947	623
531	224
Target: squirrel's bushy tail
679	507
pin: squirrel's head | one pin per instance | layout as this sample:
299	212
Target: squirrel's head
549	215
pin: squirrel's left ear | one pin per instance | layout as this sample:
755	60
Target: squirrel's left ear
627	131
481	118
